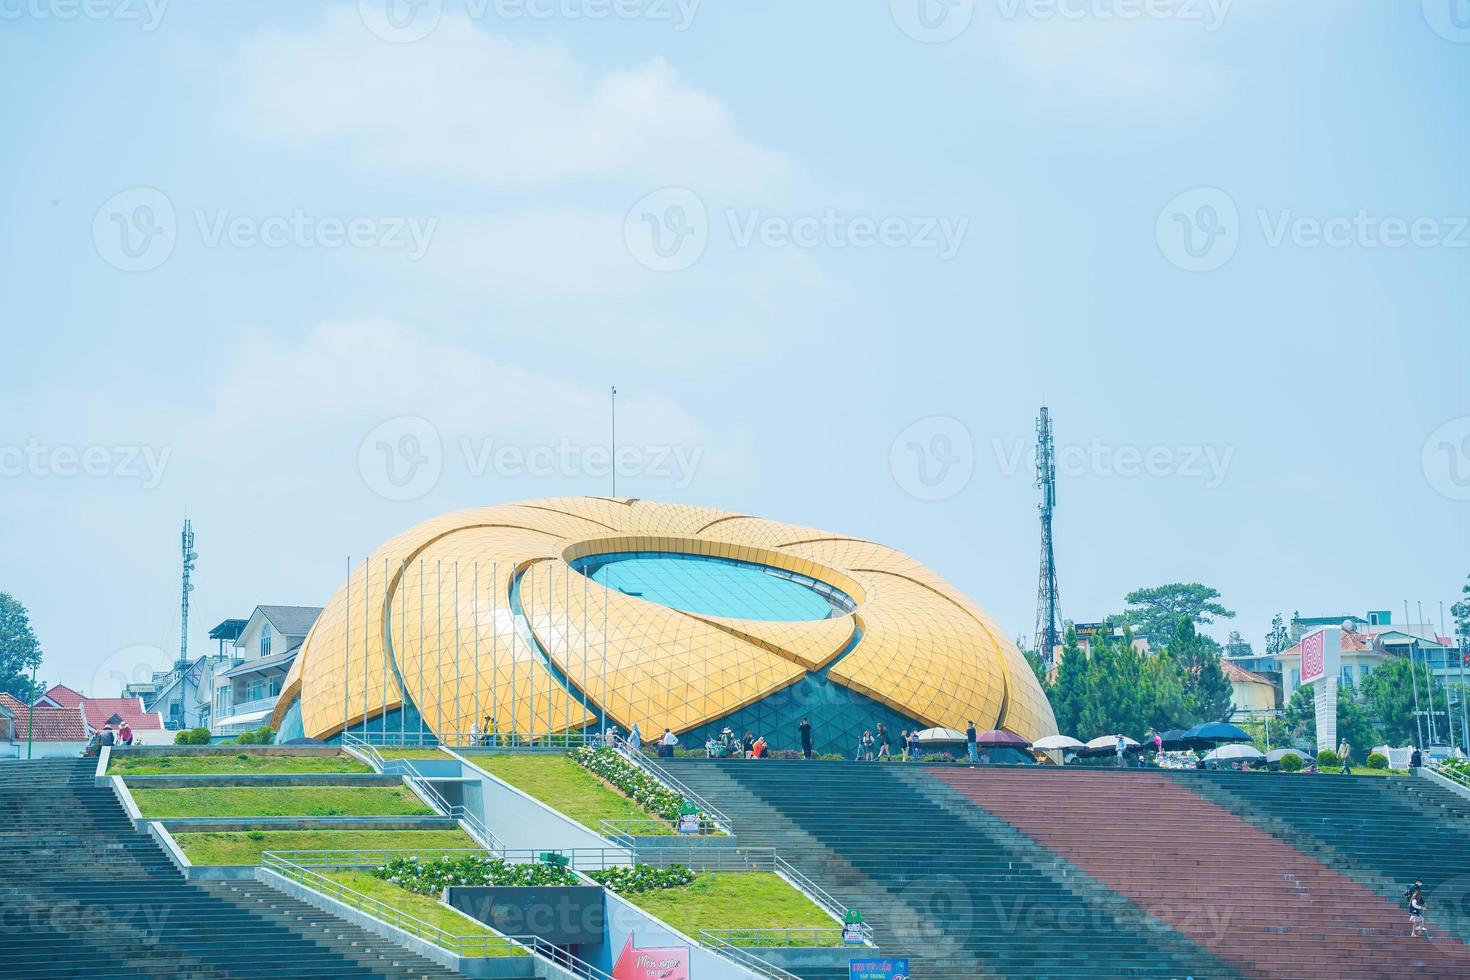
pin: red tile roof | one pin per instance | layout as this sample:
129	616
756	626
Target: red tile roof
1240	675
100	712
48	724
65	696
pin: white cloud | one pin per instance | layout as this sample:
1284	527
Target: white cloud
467	105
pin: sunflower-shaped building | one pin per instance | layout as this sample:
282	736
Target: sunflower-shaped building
572	614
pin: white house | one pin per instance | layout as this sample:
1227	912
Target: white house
245	689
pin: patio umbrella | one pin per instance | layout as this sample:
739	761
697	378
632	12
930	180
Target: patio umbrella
999	738
1235	753
1276	755
1215	732
1104	744
941	736
1058	743
1173	739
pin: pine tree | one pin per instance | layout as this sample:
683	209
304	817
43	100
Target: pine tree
1207	691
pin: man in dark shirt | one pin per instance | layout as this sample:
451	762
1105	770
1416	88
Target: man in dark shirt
970	742
805	729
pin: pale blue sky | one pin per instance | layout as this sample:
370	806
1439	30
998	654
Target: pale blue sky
1016	193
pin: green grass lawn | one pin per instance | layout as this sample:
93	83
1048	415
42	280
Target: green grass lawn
414	753
241	762
426	909
565	786
279	801
740	900
244	847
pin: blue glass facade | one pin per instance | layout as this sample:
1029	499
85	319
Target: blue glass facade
712	586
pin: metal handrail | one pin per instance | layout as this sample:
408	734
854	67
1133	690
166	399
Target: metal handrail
531	945
420	784
731	936
818	894
1453	775
582	859
744	957
394	916
669	780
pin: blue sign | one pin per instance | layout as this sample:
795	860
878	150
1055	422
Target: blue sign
881	969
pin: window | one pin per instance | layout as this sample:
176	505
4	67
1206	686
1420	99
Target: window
1347	675
1296	677
275	687
254	690
265	641
1363	672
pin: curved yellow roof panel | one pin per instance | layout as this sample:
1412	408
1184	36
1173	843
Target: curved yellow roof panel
495	616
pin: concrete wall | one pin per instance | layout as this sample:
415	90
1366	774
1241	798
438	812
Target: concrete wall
625	922
521	821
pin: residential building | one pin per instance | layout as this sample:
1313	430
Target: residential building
1255	696
246	689
46	731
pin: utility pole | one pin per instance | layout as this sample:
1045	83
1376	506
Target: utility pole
31	713
614	466
186	539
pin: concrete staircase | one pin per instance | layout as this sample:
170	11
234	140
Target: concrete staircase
84	895
1252	898
952	892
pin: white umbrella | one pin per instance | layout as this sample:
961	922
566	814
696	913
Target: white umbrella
1276	755
1111	742
1235	753
1057	743
940	736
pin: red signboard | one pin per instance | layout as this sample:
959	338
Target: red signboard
668	963
1314	656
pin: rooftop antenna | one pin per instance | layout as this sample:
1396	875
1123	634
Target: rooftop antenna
1048	603
186	539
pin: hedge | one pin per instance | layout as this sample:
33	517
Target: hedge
1328	758
636	784
432	877
1377	760
1291	763
637	878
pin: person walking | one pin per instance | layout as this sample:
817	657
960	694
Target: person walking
635	737
804	730
865	752
883	740
903	739
1414	899
914	745
1121	747
970	745
1345	753
666	744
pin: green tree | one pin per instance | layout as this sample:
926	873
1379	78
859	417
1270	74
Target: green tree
1300	717
1207	691
20	651
1167	704
1354	721
1038	667
1278	640
1115	696
1067	693
1159	610
1389	696
1461	612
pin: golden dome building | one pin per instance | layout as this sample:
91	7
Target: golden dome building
576	613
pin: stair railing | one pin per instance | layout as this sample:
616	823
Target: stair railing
1453	775
658	772
333	889
818	894
476	828
744	957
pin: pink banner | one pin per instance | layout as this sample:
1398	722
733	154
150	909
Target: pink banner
1314	656
668	963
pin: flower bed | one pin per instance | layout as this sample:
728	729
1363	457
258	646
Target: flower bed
432	877
1460	767
638	878
642	788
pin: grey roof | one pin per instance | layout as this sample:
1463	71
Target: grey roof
291	620
263	663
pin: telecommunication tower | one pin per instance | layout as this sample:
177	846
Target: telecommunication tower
1048	604
190	556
